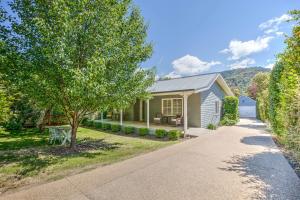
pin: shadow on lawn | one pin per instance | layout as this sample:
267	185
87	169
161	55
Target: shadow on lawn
32	161
267	173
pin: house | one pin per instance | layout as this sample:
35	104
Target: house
247	107
198	99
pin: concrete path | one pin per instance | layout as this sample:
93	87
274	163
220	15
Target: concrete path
240	162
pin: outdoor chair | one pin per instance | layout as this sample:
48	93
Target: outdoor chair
157	119
177	120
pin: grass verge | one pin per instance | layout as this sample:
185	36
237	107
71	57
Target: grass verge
26	156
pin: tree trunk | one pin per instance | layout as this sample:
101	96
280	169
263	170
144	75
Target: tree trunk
43	119
74	125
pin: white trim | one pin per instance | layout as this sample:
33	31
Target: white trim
222	83
181	93
185	114
141	110
148	117
162	105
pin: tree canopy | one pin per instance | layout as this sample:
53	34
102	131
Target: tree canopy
80	56
285	85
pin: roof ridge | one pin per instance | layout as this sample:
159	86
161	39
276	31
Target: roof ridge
190	76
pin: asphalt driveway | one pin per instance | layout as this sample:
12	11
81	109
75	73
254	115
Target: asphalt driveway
240	162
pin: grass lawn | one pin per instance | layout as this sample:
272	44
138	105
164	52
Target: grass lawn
26	157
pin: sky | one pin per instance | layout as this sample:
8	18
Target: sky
201	36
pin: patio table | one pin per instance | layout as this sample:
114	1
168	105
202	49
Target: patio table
60	133
167	118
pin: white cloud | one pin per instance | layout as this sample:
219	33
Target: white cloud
242	64
270	66
239	49
173	75
190	65
279	33
272	25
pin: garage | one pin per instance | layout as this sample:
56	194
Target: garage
247	107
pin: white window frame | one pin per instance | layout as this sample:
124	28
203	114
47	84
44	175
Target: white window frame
162	105
217	107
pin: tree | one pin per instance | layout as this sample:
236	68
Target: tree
79	56
258	90
5	102
236	91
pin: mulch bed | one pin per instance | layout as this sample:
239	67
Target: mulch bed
290	156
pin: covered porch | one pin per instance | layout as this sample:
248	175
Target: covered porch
166	104
139	124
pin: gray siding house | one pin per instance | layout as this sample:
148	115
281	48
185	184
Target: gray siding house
198	99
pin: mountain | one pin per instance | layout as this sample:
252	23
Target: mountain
241	78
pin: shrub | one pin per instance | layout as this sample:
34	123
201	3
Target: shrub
106	126
128	129
227	122
230	110
98	125
84	121
160	133
13	124
211	127
89	123
115	127
143	131
174	134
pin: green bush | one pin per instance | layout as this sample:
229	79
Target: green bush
84	121
128	129
160	133
115	127
211	127
89	123
13	124
98	125
143	131
106	126
230	110
227	122
174	134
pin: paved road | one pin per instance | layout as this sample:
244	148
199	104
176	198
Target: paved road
240	162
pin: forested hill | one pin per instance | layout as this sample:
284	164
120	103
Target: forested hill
241	78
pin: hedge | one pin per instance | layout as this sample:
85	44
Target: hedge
174	134
90	123
230	110
160	133
106	126
143	131
128	129
115	127
98	125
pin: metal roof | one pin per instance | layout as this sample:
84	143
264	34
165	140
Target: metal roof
246	101
197	82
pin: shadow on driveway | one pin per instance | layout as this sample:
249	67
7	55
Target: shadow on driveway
268	173
265	141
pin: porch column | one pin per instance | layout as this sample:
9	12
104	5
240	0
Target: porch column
141	110
121	117
185	123
148	123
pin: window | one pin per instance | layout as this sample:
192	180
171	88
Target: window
217	107
167	106
172	106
